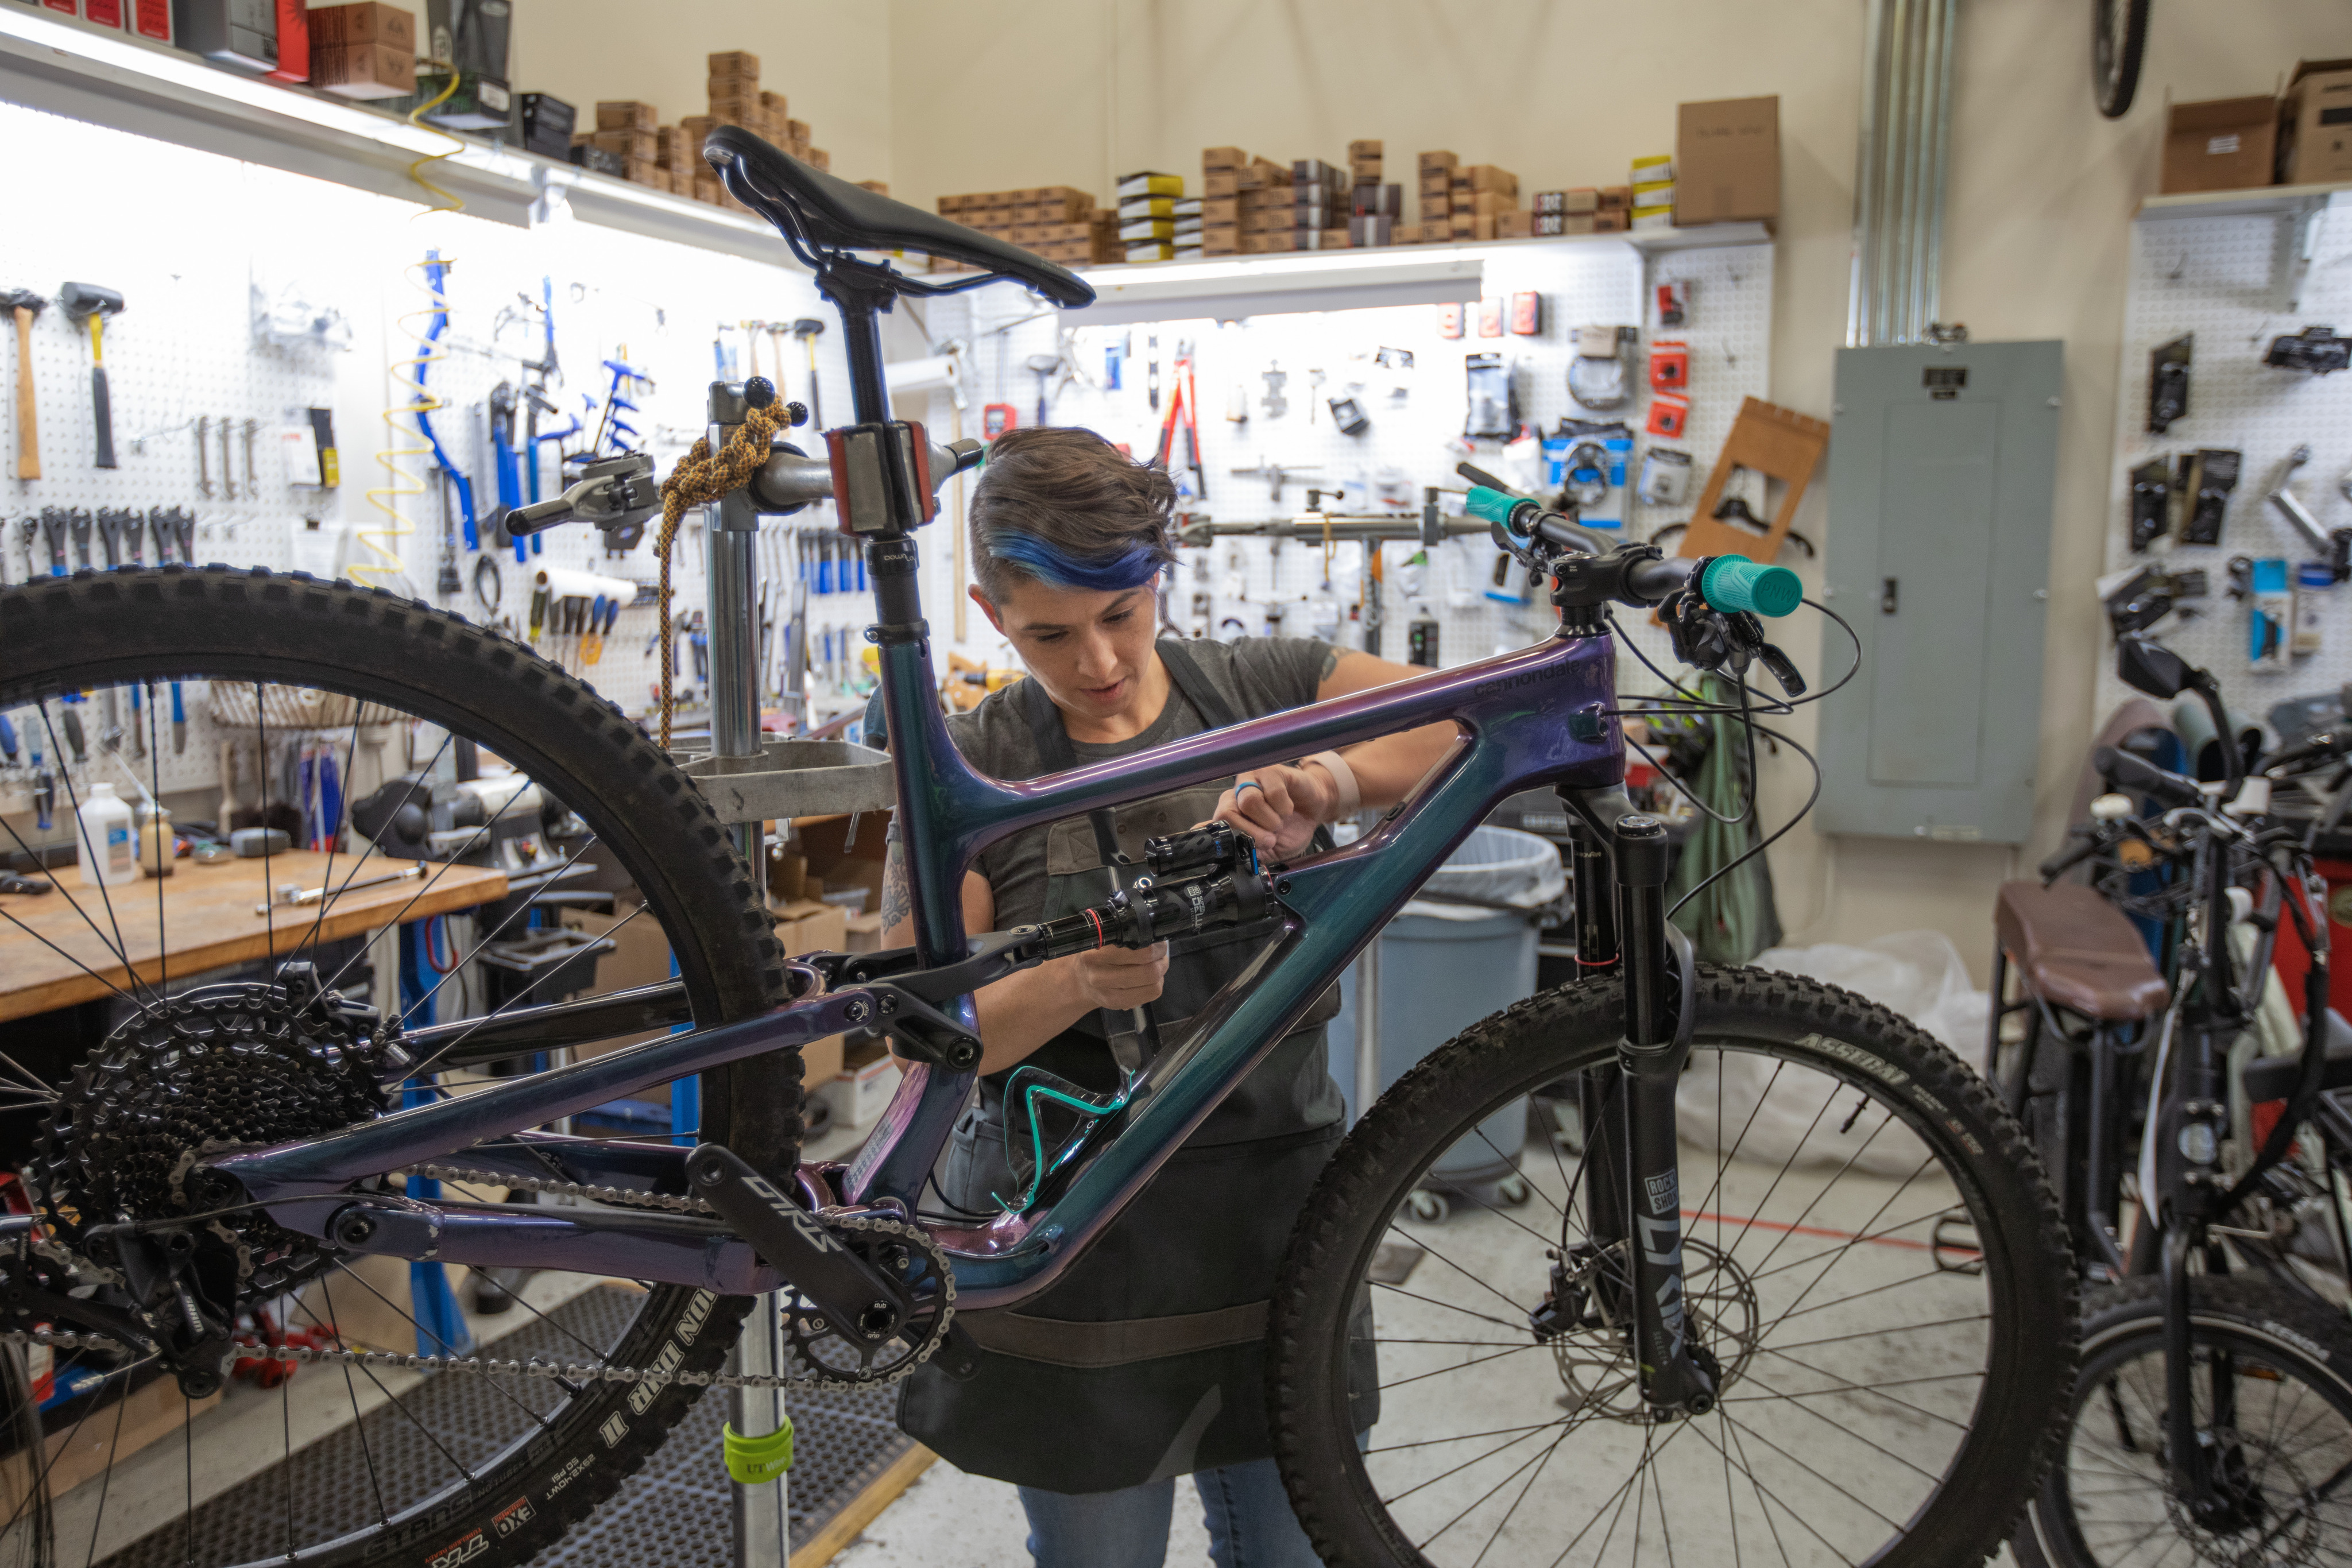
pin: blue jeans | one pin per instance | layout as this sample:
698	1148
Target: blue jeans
1248	1514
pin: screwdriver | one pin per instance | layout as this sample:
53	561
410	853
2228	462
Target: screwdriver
53	533
79	518
7	741
179	722
45	786
138	724
73	732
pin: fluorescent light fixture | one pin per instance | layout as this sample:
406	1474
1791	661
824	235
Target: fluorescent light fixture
1230	287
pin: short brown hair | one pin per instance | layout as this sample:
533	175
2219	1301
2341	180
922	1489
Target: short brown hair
1062	506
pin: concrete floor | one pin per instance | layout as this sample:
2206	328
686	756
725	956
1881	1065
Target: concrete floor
1485	1463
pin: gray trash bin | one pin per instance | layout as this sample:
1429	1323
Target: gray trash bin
1444	967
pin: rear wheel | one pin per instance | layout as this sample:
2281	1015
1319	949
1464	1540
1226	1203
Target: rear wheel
1874	1272
335	1464
2277	1367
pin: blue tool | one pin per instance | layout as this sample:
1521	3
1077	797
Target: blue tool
45	784
436	274
510	468
7	741
179	722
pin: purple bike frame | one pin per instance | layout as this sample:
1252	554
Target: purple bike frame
1540	716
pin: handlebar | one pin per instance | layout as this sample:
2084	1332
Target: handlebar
2064	861
2124	770
1730	583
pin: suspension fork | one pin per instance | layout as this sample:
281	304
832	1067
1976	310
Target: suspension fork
1599	1107
1637	1146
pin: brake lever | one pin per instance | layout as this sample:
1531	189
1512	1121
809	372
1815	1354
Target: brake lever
612	493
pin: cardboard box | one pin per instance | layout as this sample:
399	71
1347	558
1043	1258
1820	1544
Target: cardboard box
1727	161
1431	161
635	145
647	172
1363	149
338	26
2316	124
1223	157
2220	144
735	63
363	70
773	102
1221	209
861	1091
1613	221
1486	177
705	190
1512	225
1560	222
1485	203
817	157
1613	199
626	114
1219	182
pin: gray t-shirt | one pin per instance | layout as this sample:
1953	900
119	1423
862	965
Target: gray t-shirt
1255	676
1291	1090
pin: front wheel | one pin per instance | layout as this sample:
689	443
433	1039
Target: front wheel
1874	1272
2272	1378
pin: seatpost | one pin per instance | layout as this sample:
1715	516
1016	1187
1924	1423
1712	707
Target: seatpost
1651	1062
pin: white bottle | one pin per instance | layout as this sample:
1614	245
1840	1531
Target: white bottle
109	849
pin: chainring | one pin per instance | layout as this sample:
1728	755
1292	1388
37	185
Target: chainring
903	1253
222	1066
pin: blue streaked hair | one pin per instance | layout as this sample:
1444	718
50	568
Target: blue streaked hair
1132	568
1063	507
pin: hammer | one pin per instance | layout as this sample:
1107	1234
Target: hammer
26	305
807	329
88	302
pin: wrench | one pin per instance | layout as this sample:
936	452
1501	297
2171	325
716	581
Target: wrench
252	488
204	456
228	485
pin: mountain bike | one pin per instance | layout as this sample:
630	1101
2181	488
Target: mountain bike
2213	1412
1846	1344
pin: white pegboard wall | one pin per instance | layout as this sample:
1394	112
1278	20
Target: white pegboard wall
1413	440
188	254
2218	277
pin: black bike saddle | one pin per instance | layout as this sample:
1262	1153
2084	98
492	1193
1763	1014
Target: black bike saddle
829	213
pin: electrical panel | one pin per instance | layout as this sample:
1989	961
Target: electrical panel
1943	459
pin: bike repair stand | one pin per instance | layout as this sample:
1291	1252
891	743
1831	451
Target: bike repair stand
762	1533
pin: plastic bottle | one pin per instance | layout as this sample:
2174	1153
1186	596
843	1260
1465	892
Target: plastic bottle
109	850
155	843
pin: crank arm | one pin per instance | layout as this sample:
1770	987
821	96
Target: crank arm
860	1302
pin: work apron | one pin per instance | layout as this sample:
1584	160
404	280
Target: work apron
1146	1360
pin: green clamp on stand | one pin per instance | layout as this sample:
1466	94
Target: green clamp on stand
754	1461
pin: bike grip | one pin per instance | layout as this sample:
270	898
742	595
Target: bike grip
1733	583
2059	865
1492	505
2126	771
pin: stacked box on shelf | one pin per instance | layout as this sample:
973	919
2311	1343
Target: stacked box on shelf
1569	212
1652	192
629	130
548	123
1262	195
1374	209
1056	221
1147	214
1482	193
1612	209
1318	206
1188	236
1221	215
1437	196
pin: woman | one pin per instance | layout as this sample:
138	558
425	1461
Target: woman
1143	1362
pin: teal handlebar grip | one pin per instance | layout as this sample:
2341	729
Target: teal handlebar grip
1734	582
1493	505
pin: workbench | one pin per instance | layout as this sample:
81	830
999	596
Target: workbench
53	955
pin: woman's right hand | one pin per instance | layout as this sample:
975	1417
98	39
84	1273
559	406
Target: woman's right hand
1120	978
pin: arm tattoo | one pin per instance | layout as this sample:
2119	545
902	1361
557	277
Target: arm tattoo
897	902
1330	663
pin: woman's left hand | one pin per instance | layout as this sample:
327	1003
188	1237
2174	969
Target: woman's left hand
1278	807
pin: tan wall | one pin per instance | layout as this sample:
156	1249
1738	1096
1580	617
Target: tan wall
831	62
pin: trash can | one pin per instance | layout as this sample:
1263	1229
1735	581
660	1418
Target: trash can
1444	965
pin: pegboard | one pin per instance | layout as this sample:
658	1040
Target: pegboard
2224	279
1415	433
208	234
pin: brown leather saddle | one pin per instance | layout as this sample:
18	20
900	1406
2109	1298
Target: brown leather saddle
2077	951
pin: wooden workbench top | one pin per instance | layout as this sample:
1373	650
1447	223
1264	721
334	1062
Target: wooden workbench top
48	948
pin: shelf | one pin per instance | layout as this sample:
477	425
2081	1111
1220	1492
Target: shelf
2266	200
1230	287
115	80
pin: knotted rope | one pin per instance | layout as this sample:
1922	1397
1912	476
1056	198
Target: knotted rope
699	479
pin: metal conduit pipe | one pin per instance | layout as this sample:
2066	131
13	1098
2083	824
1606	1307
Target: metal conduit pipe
1901	160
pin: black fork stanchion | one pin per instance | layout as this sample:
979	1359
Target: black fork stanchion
1651	1060
1599	1108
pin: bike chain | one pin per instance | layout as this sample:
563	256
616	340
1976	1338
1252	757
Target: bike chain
815	1376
